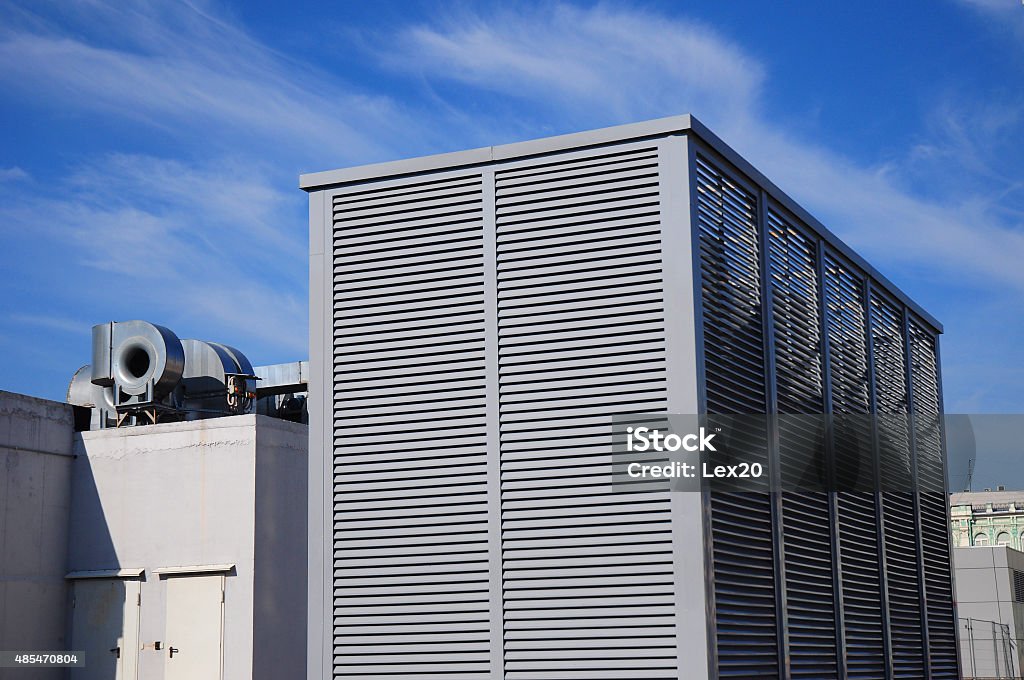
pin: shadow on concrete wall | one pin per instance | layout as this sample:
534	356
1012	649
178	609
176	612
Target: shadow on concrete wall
95	621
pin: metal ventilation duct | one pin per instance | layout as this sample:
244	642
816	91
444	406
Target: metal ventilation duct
142	373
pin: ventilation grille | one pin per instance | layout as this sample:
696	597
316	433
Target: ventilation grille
806	522
746	621
410	541
927	409
904	587
858	521
587	572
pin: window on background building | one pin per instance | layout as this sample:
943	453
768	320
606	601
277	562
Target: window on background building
1003	538
980	539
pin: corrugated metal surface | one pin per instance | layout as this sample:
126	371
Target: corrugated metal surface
926	406
748	629
588	577
901	538
746	616
858	522
410	533
806	522
587	572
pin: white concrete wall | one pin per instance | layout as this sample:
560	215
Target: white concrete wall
187	494
279	601
35	467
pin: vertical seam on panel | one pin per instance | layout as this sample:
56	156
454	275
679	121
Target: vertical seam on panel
495	569
908	367
327	435
678	299
945	477
830	456
771	410
877	460
702	402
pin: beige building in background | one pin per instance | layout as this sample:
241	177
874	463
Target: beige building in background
987	518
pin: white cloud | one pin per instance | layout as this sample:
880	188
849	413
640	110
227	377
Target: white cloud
619	62
214	250
12	174
616	65
180	69
1007	14
54	323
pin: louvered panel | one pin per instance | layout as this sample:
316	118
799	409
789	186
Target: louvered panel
410	493
858	527
746	631
581	337
908	658
927	411
810	594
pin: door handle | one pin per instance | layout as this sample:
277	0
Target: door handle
116	651
173	650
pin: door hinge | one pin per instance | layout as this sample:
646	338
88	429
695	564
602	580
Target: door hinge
138	599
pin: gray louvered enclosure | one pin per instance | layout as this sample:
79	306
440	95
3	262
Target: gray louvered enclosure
478	318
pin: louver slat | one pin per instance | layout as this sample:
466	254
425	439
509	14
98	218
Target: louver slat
901	537
810	595
580	337
927	410
410	527
746	632
858	528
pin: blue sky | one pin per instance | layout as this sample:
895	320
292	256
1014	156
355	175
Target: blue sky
151	151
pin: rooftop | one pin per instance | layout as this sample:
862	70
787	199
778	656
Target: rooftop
983	498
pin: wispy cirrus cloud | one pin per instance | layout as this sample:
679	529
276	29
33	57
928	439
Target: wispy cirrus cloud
60	324
944	219
605	62
209	249
207	236
187	72
608	64
12	174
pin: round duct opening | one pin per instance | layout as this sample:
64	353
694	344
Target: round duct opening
137	362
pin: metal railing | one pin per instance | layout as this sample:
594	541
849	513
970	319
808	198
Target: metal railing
987	651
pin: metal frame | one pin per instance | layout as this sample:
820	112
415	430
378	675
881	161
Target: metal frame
883	575
945	477
774	444
320	579
908	361
680	273
702	403
494	533
830	461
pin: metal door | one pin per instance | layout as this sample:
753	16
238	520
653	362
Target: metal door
195	627
105	627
